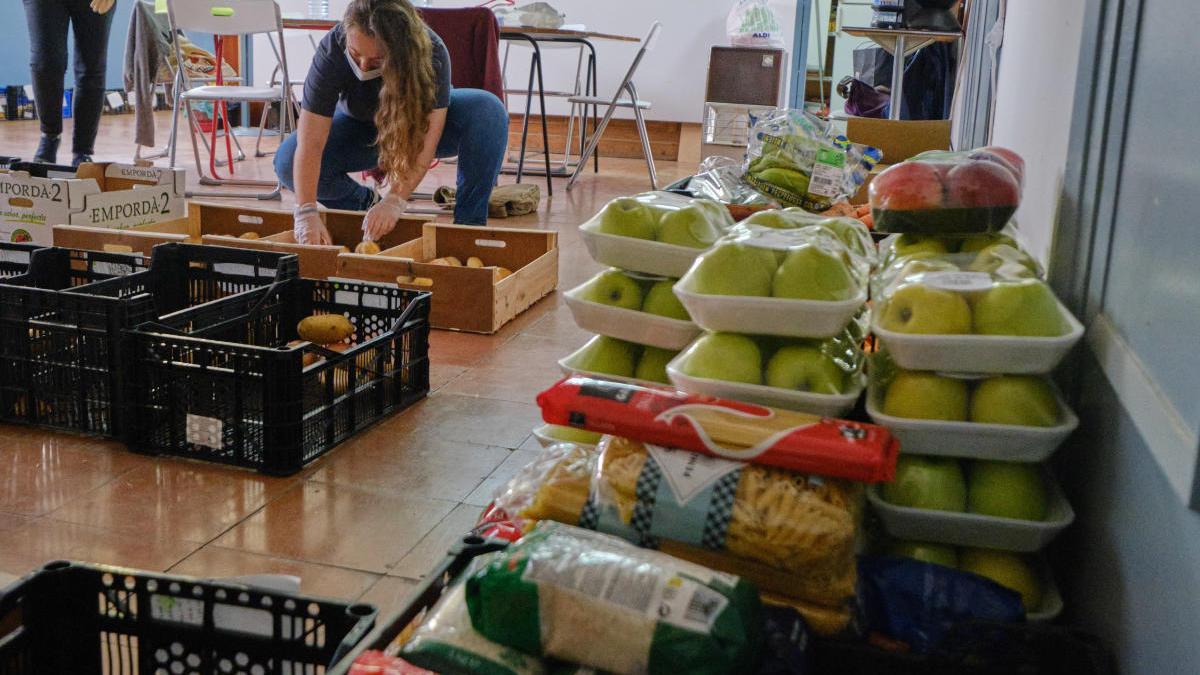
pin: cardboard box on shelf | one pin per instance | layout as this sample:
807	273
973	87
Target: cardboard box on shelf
472	299
898	139
109	195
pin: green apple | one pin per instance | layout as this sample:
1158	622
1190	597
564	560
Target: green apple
785	219
1024	400
689	226
851	232
661	300
1007	569
938	554
570	434
805	368
978	242
717	213
735	269
609	356
613	287
809	272
916	308
1006	490
628	217
1021	308
927	483
1006	262
653	365
909	245
925	396
725	356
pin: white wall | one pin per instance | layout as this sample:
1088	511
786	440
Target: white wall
1034	103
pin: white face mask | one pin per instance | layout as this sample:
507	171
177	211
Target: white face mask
361	74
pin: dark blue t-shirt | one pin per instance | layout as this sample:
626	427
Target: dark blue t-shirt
331	84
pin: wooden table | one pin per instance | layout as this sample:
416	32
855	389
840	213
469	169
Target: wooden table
896	42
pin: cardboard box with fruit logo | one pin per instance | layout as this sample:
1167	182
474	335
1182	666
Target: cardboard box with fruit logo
108	195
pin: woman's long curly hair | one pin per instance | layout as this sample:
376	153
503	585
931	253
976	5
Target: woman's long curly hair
408	92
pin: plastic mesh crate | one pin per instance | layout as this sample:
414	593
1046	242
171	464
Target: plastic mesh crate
221	382
86	619
14	258
61	323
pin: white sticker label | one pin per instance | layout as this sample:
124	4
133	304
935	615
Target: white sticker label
688	473
964	282
178	610
690	605
825	180
782	240
115	269
204	431
19	257
235	269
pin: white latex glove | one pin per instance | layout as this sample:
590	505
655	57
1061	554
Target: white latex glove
308	227
102	6
382	217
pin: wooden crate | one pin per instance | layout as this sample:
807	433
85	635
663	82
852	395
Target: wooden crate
466	298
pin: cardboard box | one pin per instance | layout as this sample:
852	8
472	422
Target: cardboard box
898	139
466	298
102	195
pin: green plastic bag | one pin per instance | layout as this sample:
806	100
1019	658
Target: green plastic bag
588	598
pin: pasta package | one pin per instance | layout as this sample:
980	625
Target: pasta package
734	430
790	533
446	643
552	487
588	598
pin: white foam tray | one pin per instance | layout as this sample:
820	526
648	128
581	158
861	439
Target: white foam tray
637	255
972	529
545	440
569	366
1052	601
972	440
993	354
826	405
768	316
630	325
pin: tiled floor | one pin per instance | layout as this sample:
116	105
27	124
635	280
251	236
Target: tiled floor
364	522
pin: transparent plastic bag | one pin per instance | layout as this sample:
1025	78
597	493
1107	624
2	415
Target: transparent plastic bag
851	231
998	254
592	599
720	179
790	533
552	487
800	160
752	23
664	217
832	366
948	193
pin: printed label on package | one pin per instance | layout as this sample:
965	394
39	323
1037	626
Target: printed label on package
964	282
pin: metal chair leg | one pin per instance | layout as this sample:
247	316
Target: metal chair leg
645	136
591	146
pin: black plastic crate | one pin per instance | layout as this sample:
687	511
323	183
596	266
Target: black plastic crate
87	619
62	358
221	382
14	258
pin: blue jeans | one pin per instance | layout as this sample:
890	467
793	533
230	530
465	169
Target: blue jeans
476	132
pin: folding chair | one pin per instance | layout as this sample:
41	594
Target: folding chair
229	18
637	104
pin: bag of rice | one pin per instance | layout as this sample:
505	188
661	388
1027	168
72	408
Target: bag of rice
596	600
447	644
787	532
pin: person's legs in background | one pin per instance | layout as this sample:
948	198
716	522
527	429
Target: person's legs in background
91	58
350	147
477	133
48	20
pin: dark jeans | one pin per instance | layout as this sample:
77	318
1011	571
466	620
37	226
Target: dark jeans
48	21
476	132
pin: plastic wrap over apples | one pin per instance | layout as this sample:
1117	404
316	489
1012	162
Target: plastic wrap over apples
949	193
664	217
800	160
933	296
806	263
997	254
832	366
850	231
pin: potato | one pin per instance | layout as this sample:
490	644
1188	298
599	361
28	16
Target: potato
345	249
448	260
474	262
248	235
325	329
502	273
404	279
309	358
367	247
422	281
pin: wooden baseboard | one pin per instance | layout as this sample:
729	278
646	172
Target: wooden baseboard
620	137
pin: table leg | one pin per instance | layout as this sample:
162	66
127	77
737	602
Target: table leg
537	54
897	92
525	120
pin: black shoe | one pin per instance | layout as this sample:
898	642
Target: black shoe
47	152
80	158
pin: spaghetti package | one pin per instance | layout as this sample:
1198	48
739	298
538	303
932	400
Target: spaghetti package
592	599
728	429
552	487
790	533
